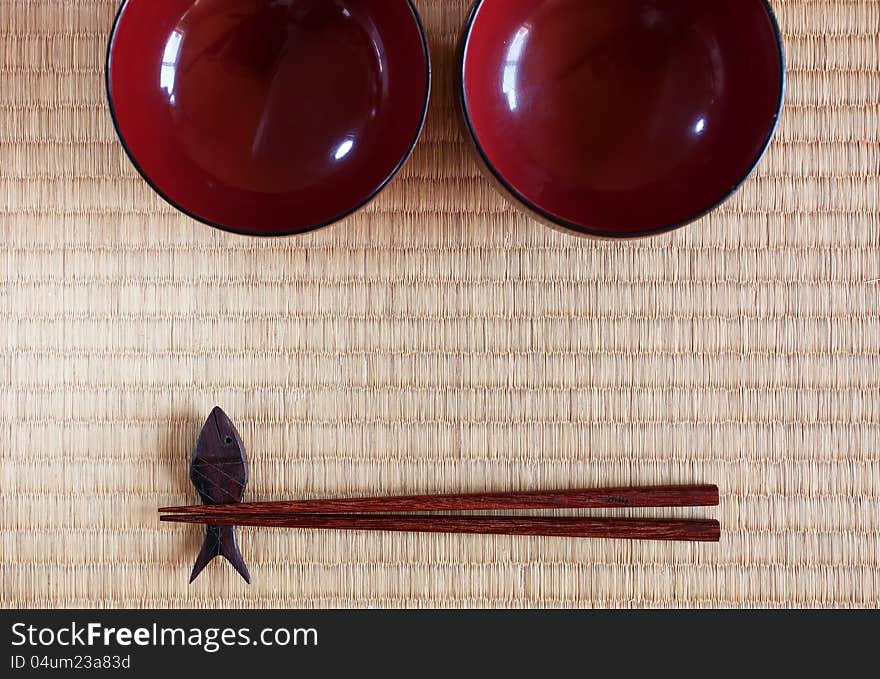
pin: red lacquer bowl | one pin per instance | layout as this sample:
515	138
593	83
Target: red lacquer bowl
621	118
268	118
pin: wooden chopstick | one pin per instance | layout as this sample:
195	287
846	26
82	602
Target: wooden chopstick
573	527
592	498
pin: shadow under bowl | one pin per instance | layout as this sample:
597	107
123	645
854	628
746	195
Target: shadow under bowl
621	118
268	118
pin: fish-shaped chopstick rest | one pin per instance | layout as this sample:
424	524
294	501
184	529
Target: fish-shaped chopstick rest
219	471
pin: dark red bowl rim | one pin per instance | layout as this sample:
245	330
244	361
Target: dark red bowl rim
273	234
580	229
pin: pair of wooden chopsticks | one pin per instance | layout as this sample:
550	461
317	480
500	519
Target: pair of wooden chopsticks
376	514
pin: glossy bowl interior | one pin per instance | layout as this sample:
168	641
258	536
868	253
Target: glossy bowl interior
621	118
268	118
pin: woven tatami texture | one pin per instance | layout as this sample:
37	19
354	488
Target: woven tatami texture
438	341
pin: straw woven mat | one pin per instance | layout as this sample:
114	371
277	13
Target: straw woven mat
438	341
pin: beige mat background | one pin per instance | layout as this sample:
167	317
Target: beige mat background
438	341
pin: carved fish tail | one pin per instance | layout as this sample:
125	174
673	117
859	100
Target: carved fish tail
220	541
